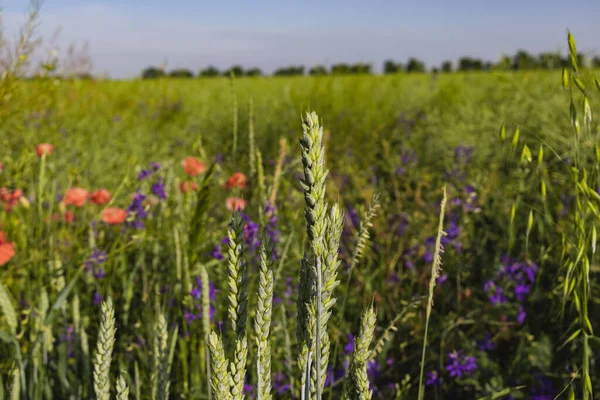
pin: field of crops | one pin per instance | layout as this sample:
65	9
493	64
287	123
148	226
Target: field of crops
183	238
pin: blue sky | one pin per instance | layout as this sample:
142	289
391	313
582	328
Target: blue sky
126	36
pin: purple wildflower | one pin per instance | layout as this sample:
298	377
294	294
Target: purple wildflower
521	315
433	379
93	262
498	297
280	383
459	365
349	348
145	173
158	189
487	344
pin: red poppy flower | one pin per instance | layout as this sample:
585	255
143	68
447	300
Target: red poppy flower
44	148
9	199
237	180
114	216
100	197
69	216
235	203
193	166
76	196
188	187
7	249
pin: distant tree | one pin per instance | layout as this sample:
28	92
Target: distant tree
254	72
340	69
318	70
152	73
415	65
447	66
390	67
435	70
505	63
360	68
290	71
237	70
181	73
84	76
583	60
210	71
549	60
470	64
524	61
596	62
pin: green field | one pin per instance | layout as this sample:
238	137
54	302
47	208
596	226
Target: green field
514	305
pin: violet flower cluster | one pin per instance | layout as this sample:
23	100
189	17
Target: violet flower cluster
93	264
513	280
195	313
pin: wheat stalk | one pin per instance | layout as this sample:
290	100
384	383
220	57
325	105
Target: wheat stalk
122	388
263	318
104	349
358	385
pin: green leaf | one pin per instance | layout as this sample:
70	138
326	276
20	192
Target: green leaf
570	339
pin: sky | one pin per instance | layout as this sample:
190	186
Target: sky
126	36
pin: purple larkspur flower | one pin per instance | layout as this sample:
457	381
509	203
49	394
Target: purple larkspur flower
498	296
154	166
216	253
433	379
349	348
97	298
521	315
281	383
440	280
145	173
158	188
462	154
393	278
543	389
136	212
93	262
486	344
521	291
459	365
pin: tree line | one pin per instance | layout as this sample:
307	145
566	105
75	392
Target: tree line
522	60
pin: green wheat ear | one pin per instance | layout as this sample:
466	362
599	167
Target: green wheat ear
263	319
238	304
358	385
312	318
220	379
161	382
104	349
122	388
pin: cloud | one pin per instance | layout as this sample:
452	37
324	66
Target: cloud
122	43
